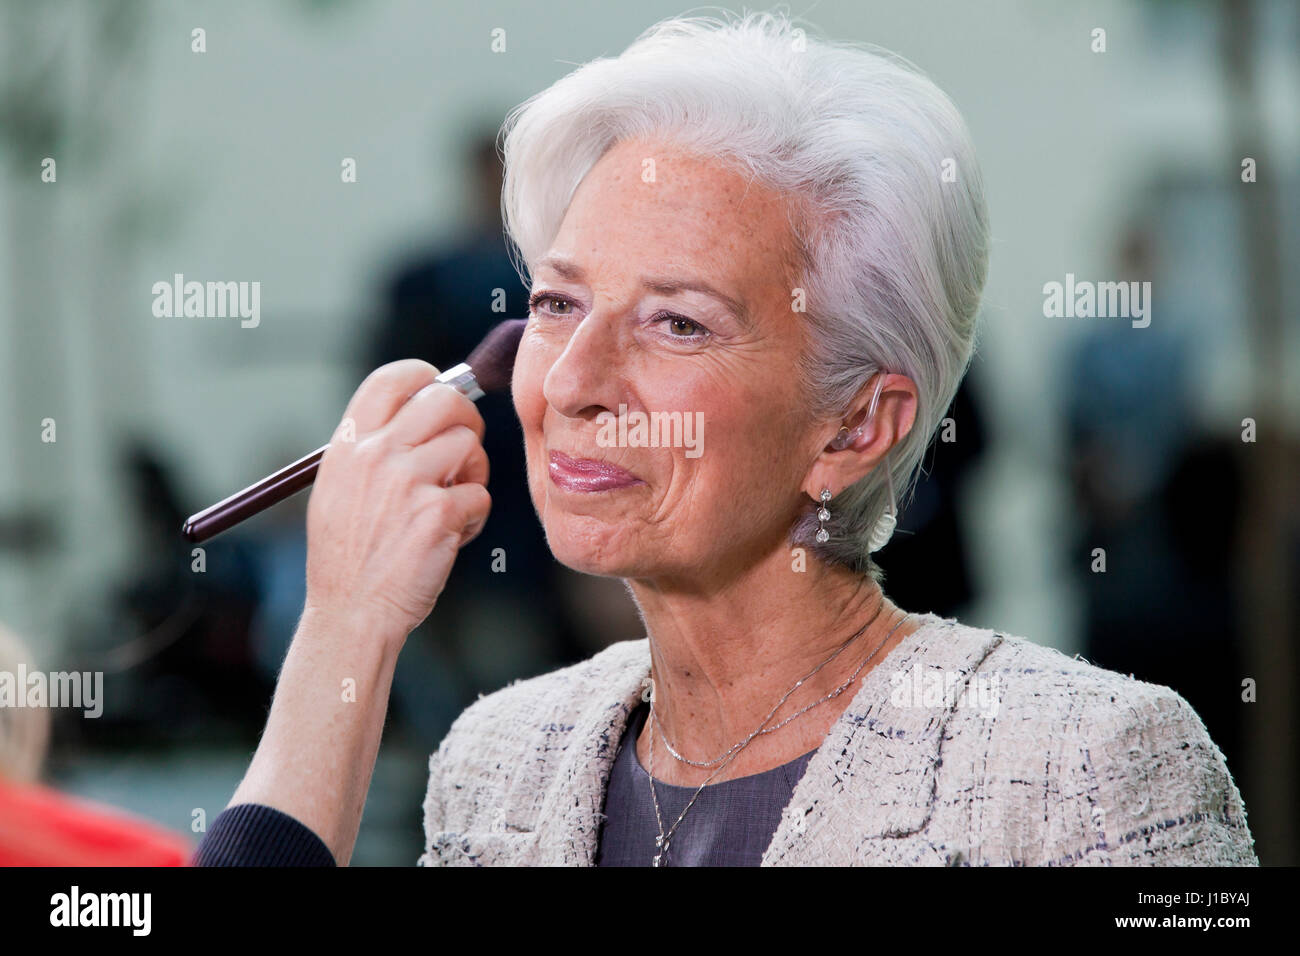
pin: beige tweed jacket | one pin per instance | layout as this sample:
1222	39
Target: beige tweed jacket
1075	765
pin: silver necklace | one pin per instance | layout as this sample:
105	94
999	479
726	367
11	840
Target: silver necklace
663	841
797	684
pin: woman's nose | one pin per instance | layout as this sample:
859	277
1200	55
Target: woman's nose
583	380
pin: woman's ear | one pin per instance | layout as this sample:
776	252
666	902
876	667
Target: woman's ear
864	436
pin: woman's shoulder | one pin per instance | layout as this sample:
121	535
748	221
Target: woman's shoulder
502	756
553	700
1029	690
1127	760
1041	685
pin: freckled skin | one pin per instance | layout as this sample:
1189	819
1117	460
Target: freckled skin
694	516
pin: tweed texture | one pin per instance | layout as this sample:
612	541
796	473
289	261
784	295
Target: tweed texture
1077	766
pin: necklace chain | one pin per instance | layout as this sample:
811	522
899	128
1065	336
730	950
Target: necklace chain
664	839
764	729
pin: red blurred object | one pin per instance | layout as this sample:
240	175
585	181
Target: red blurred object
42	827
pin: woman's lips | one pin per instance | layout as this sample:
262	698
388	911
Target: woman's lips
588	474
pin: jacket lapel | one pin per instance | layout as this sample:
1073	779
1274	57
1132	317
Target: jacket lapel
571	814
871	783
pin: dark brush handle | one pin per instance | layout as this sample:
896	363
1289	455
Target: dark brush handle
294	478
244	504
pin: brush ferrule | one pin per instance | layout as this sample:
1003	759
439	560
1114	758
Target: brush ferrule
461	378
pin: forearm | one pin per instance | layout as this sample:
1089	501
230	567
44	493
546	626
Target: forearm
389	510
317	753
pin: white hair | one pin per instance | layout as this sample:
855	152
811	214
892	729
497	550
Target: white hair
886	204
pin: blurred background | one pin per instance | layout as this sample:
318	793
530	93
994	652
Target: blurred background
230	163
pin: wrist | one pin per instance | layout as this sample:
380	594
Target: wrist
356	626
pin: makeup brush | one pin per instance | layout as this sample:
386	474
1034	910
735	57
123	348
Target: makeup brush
488	369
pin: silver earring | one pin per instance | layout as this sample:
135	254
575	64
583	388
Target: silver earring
823	516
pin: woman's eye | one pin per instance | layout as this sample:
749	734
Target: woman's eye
541	297
683	328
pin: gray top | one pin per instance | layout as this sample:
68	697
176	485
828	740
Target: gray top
731	824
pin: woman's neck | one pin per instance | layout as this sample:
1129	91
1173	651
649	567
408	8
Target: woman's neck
723	660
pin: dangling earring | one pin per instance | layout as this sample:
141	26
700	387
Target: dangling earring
823	516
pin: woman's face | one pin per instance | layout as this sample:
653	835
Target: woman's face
623	329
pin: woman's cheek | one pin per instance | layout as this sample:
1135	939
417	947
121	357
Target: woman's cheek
526	390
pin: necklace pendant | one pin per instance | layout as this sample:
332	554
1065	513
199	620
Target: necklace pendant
661	844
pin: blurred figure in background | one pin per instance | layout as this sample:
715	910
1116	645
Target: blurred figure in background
176	633
41	827
1163	500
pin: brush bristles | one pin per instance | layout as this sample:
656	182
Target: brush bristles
493	361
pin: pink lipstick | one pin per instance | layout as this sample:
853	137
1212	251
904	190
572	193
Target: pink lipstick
588	474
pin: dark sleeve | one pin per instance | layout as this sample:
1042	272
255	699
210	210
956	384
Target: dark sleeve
251	834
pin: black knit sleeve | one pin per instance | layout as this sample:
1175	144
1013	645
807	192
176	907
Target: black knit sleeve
251	834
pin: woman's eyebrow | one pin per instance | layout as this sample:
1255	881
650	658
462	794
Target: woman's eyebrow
670	286
664	285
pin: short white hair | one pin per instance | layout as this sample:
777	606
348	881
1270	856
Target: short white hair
887	204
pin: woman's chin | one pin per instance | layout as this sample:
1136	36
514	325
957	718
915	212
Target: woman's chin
600	554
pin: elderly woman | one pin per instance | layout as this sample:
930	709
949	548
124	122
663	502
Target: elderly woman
784	240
